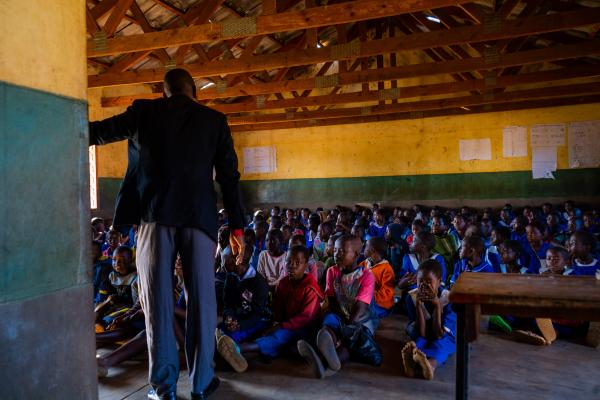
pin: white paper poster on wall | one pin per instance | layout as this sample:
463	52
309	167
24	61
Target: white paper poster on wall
514	141
543	162
260	160
475	149
548	135
584	144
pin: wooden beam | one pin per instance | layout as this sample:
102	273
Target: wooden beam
170	7
406	71
102	8
521	105
512	28
418	106
315	17
90	22
116	17
418	90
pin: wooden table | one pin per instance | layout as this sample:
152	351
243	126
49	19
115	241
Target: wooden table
545	296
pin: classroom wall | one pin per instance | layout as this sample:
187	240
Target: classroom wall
398	163
46	330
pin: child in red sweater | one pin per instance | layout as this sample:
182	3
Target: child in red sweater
296	308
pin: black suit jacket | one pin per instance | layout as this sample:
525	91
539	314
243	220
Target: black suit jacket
173	145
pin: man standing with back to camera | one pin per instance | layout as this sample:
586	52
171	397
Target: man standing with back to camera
173	145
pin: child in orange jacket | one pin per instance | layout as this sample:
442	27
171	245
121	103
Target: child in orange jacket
375	250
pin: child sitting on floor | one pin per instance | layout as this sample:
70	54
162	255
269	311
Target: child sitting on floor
250	241
102	266
420	250
471	253
320	243
377	227
245	300
446	243
432	324
296	307
581	246
349	290
113	240
500	234
271	262
119	291
313	268
375	252
535	236
557	260
510	252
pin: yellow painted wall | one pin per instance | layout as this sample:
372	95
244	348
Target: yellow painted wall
48	55
391	148
406	147
112	158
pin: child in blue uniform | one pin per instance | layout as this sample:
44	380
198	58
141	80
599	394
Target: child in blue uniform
120	291
500	234
471	258
510	253
432	324
535	237
378	226
420	250
581	245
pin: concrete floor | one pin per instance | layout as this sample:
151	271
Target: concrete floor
500	369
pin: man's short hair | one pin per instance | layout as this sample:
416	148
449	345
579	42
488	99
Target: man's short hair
177	79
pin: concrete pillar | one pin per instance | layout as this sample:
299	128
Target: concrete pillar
47	344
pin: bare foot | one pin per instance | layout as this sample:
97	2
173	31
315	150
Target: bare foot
231	353
529	337
421	360
547	329
407	359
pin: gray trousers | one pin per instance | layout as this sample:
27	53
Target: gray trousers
157	249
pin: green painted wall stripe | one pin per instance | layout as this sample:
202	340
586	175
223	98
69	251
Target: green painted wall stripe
497	185
569	183
44	198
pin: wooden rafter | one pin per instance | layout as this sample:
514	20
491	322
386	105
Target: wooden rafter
519	105
418	91
116	16
419	106
352	11
511	28
406	71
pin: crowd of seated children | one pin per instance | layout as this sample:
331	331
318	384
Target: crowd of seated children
296	305
318	283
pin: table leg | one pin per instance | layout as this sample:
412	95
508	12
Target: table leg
462	353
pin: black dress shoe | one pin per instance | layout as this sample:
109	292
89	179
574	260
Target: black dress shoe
152	395
210	389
